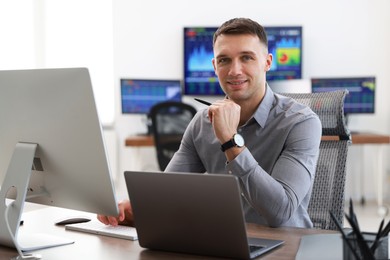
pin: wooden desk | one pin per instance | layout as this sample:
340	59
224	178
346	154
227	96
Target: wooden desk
89	246
139	140
370	138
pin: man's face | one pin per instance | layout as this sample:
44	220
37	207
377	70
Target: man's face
240	62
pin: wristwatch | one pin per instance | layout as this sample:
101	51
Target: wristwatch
236	141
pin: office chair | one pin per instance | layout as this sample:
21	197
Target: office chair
329	181
169	121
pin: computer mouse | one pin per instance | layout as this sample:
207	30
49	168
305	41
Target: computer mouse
72	220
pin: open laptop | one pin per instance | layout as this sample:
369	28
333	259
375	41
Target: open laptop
192	213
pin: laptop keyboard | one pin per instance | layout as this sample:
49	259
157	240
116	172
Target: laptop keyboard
253	248
95	227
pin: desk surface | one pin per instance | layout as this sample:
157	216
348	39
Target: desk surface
370	138
139	140
357	138
89	246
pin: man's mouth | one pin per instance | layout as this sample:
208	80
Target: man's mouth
237	82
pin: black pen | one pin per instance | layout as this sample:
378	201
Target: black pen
386	230
344	236
203	102
378	236
364	249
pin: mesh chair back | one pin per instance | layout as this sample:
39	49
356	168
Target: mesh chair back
329	181
169	121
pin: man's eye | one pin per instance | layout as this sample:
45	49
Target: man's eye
246	57
222	61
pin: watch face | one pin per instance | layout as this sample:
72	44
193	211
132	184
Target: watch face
239	140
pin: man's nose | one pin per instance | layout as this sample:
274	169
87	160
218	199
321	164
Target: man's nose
235	68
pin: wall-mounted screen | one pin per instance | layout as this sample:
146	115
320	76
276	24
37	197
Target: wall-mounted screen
284	42
199	76
139	95
361	96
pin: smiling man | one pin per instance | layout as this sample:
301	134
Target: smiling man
270	142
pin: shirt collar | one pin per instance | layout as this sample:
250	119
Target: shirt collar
262	112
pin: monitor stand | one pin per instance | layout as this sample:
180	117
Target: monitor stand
346	119
18	177
148	123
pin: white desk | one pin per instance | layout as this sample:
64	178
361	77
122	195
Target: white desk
89	246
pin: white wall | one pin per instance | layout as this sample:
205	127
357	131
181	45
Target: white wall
16	29
341	38
64	33
61	33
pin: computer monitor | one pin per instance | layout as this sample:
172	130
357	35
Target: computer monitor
361	96
139	95
284	42
52	150
199	76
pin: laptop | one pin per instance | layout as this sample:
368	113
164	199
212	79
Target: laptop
192	213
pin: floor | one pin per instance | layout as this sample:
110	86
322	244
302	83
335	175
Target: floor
369	215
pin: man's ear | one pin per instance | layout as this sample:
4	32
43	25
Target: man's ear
213	61
268	61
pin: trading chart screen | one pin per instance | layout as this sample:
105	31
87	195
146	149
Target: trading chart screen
361	96
139	95
285	44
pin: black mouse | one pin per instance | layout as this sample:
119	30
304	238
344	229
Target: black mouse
72	220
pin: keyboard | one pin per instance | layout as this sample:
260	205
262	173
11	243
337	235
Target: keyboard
98	228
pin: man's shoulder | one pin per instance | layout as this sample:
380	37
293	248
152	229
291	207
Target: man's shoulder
291	106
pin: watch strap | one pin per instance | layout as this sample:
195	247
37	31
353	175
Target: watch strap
229	144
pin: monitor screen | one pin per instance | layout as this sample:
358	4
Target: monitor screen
285	45
139	95
284	42
52	149
361	96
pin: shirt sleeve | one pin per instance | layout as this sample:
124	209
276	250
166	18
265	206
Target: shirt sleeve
186	159
276	195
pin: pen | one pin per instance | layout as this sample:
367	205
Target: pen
344	236
378	236
364	249
202	101
386	230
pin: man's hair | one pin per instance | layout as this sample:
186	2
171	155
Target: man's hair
237	26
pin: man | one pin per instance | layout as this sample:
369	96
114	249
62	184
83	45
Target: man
269	141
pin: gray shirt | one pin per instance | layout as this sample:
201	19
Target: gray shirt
276	170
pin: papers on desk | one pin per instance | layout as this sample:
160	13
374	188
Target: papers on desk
320	246
98	228
31	242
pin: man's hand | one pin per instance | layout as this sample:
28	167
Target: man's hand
225	117
125	216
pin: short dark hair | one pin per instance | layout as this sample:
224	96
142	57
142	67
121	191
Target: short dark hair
242	26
